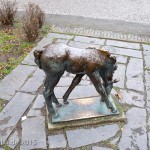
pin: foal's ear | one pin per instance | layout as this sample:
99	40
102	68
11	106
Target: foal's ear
113	58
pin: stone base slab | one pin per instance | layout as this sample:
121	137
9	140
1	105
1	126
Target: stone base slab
81	112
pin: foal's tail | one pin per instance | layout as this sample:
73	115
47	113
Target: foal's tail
37	55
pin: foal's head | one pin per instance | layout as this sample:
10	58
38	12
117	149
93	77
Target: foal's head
107	71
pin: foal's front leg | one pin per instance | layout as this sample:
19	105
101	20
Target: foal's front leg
96	80
74	83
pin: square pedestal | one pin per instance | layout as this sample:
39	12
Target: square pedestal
84	111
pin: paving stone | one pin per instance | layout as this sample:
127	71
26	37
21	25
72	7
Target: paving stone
36	80
57	141
121	59
34	113
82	45
84	82
100	148
147	78
65	74
12	113
120	74
84	77
68	80
132	98
114	92
149	137
60	36
90	136
72	75
64	82
2	149
146	46
134	74
134	136
14	81
147	56
29	60
13	140
123	44
89	40
44	42
38	104
114	141
62	41
78	92
33	134
123	51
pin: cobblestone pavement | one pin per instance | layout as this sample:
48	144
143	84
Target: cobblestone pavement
22	91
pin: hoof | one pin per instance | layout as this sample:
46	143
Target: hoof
55	115
114	110
58	105
66	102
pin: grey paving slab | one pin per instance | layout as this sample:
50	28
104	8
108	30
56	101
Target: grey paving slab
114	141
132	98
134	134
39	102
134	74
72	75
34	82
13	140
121	59
120	74
62	41
147	56
78	92
12	113
146	46
33	134
82	45
35	110
89	40
44	42
123	44
60	36
14	81
100	148
81	137
34	113
64	81
84	82
29	60
147	78
57	141
123	51
2	149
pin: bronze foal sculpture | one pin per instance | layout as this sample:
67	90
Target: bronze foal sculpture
57	58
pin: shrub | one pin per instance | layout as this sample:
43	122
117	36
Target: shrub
33	20
8	11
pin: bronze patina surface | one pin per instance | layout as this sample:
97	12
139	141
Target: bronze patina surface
82	109
99	119
99	66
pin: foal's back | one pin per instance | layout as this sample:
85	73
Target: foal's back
75	60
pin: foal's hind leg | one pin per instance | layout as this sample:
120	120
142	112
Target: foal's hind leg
50	82
96	79
74	83
55	100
